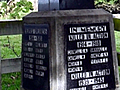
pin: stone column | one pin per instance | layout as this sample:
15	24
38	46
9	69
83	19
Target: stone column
48	5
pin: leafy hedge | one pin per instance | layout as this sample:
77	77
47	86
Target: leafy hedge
12	10
111	2
112	6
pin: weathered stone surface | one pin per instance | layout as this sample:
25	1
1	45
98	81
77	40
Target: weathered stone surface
57	39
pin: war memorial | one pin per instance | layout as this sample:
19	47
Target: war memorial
69	45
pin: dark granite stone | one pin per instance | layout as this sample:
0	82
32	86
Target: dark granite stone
44	5
35	57
89	57
76	4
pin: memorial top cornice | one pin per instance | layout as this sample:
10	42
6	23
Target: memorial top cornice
67	13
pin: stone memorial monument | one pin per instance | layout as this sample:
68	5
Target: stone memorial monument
69	50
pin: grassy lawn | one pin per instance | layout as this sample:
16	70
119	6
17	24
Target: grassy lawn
11	48
117	39
11	81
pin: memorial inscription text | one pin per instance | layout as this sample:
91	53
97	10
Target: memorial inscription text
35	56
89	57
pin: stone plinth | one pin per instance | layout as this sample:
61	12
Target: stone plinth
69	50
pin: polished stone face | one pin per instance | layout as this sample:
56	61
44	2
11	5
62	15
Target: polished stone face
48	5
76	4
35	57
89	57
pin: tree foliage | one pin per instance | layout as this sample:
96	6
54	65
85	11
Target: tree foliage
112	6
112	2
12	10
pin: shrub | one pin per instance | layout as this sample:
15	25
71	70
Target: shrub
12	10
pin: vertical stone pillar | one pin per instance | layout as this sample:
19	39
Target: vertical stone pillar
48	5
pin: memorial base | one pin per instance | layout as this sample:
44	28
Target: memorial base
69	50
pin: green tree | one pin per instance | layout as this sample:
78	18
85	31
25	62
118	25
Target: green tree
112	2
12	10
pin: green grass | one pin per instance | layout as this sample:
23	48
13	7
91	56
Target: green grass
11	81
117	39
7	48
119	70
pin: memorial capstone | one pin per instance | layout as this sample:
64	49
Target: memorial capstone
69	50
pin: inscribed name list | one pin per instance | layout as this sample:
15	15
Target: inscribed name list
89	58
35	56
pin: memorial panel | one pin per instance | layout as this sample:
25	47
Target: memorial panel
35	57
76	4
89	59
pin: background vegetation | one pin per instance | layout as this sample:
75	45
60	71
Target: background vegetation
11	81
11	46
112	6
112	2
12	10
117	39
